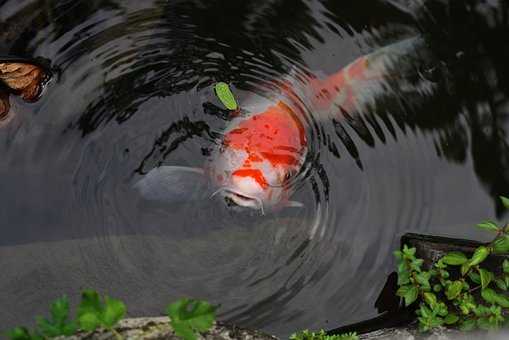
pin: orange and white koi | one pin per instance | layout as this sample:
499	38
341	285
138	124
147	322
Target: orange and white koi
260	152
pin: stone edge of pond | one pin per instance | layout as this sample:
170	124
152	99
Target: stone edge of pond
155	328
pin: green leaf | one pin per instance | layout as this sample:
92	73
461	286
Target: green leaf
225	95
488	225
455	258
489	295
467	325
501	244
58	325
437	288
454	289
430	299
19	333
411	295
480	254
89	321
60	310
90	303
505	266
423	280
465	267
451	319
410	252
486	277
183	330
505	201
190	316
114	310
403	278
93	313
502	300
501	284
476	278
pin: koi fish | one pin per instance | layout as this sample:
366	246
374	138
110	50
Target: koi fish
259	153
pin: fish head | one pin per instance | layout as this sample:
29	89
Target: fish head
257	157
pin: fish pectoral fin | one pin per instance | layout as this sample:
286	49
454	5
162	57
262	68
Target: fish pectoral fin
294	204
172	184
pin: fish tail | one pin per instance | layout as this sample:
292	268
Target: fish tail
361	81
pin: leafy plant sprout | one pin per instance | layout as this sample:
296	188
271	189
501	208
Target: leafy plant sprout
457	291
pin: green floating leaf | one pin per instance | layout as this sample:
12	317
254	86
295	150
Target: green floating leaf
489	225
188	317
455	258
480	254
225	95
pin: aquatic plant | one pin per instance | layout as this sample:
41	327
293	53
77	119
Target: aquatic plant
322	335
225	95
457	291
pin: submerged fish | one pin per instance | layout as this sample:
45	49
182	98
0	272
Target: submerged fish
260	153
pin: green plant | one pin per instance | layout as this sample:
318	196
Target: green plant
446	293
321	335
93	312
225	95
189	317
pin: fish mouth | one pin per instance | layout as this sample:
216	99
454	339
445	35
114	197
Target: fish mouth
234	197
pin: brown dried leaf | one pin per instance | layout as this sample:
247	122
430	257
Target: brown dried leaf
4	108
22	77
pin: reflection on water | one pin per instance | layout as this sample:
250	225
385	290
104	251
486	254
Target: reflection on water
133	90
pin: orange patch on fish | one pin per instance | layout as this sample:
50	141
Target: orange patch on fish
276	136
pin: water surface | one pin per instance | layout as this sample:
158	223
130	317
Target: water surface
132	89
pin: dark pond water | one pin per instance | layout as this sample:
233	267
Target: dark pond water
132	89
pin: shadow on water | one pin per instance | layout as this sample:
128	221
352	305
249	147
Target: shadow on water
132	91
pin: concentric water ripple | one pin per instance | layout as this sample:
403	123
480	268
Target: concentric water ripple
132	90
